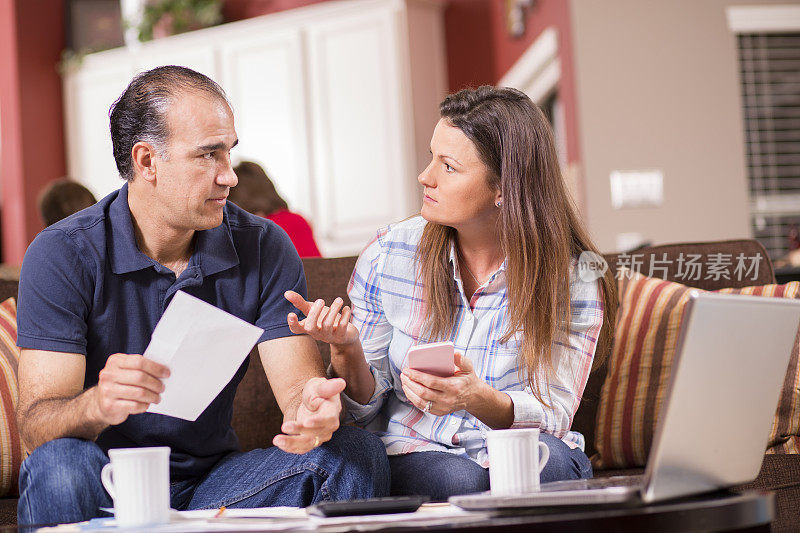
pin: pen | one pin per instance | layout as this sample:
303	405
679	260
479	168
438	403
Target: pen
219	513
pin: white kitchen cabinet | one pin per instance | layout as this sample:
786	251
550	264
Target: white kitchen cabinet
264	77
88	94
336	100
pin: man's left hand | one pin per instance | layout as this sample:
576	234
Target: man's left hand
317	417
446	395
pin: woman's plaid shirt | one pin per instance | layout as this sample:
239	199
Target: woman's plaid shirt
389	312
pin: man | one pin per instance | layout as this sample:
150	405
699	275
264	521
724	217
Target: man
93	287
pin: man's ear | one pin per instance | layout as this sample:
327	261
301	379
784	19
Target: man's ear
143	155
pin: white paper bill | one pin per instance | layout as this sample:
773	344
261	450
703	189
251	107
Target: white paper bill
203	346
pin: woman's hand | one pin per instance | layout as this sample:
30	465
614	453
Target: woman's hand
322	323
446	395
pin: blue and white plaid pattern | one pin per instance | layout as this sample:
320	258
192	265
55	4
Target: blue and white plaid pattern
389	312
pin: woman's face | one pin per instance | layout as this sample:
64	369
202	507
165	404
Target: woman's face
456	182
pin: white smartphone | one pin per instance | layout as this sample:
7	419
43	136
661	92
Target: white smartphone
437	358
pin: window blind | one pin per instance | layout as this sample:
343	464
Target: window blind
770	84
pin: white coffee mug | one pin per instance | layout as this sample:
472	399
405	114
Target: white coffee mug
137	479
516	458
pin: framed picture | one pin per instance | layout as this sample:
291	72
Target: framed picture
93	25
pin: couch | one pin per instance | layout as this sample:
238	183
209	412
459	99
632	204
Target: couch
257	418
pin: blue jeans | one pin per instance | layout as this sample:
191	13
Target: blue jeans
60	481
440	475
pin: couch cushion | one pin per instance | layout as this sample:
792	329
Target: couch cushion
779	474
12	451
8	512
644	345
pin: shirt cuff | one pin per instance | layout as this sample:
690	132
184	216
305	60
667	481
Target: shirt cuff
527	410
363	413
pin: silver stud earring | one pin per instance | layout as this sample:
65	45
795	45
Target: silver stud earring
498	203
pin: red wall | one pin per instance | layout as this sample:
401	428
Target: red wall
470	40
31	116
480	50
546	13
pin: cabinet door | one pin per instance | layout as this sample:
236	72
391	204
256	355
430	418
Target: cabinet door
263	75
88	95
361	135
196	52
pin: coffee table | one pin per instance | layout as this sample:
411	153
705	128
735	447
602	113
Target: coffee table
723	511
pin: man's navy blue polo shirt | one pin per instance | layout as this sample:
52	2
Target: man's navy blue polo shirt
86	288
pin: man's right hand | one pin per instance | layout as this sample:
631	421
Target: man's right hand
127	385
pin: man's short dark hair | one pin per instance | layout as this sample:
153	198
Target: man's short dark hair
140	113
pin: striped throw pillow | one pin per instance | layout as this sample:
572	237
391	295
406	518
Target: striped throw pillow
645	338
12	451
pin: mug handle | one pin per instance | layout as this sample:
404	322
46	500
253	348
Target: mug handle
107	480
544	455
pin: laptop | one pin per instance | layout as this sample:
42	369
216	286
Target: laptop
728	370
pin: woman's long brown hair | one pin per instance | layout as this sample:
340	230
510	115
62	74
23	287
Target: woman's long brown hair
539	229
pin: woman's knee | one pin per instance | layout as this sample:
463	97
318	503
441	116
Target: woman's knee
464	477
438	475
564	462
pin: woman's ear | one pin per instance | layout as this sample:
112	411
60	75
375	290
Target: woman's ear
143	156
498	199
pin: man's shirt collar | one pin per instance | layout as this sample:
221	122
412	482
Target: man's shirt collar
214	248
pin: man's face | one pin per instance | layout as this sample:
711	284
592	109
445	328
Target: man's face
194	177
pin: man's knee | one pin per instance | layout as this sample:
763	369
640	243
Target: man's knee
60	482
564	462
63	466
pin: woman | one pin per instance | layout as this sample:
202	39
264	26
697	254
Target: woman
255	193
490	265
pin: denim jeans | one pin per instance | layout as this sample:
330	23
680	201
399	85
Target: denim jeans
440	475
60	481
